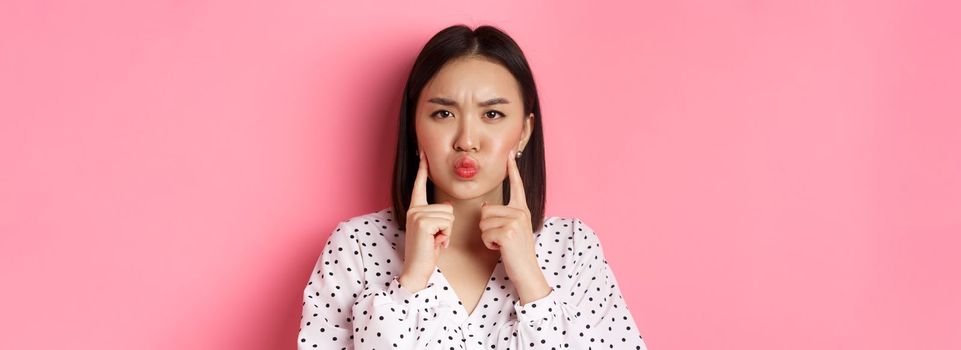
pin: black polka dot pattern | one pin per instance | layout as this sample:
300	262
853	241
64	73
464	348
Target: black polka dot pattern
354	300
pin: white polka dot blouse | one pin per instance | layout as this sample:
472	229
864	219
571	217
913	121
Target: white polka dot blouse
353	299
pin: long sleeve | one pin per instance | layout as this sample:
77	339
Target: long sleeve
591	313
395	318
336	281
342	309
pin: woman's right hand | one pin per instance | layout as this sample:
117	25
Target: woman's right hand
428	230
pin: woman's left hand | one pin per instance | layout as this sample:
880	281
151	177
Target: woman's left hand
508	228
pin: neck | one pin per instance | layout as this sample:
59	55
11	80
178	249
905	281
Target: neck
466	234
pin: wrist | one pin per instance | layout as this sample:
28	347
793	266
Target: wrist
530	284
413	282
533	290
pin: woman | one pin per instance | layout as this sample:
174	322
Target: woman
455	263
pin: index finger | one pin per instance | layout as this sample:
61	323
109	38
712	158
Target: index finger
419	195
518	198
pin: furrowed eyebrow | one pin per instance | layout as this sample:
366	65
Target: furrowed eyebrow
494	101
448	102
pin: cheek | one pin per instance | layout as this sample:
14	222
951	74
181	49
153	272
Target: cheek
434	149
502	147
430	139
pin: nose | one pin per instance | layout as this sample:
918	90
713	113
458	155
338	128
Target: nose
465	136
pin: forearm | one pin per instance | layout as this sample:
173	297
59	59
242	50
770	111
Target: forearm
396	317
551	323
528	281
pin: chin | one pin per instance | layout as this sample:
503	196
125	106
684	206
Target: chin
465	189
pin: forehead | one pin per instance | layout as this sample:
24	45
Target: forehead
472	78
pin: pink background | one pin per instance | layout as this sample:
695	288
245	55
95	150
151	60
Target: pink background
763	175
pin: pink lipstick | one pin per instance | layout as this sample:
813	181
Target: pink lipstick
465	167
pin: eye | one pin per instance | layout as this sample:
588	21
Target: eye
493	114
443	112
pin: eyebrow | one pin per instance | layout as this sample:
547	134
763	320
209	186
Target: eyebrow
449	102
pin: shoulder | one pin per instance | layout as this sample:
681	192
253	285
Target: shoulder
573	233
364	227
570	225
378	220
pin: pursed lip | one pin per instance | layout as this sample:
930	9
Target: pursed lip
466	162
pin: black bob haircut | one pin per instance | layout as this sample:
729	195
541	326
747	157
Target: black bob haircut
451	43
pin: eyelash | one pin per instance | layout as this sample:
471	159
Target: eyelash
485	113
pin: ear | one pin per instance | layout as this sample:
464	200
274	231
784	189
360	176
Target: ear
526	133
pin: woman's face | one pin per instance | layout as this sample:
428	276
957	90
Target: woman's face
471	112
